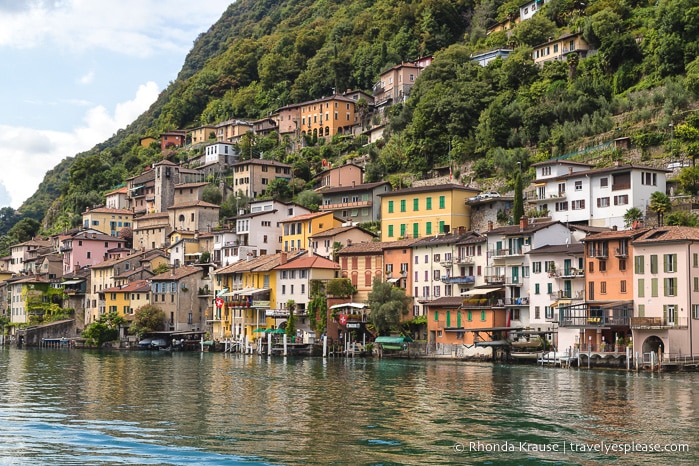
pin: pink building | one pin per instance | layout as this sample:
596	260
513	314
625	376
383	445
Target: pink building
348	175
87	247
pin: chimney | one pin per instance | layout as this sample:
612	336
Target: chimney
282	257
490	225
523	223
617	163
614	228
570	170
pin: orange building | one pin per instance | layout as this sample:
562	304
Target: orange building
328	116
456	321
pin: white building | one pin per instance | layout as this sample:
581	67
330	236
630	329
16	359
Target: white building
573	192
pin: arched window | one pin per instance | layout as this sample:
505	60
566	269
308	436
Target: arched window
327	131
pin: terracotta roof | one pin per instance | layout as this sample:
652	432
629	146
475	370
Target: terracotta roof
32	279
337	231
306	216
600	171
450	238
363	248
257	264
561	162
108	210
668	234
309	262
153	215
428	189
96	236
576	248
446	301
185	205
134	286
122	190
401	243
191	185
358	187
178	273
260	162
515	229
615	234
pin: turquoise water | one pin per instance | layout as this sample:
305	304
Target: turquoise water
70	406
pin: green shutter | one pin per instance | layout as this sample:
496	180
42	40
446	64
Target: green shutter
441	226
641	310
549	288
664	314
416	230
666	286
428	203
402	205
641	288
458	318
428	228
448	319
470	316
483	316
402	230
442	202
653	263
436	316
416	204
390	231
390	207
536	288
654	287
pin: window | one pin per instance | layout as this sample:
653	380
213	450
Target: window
622	265
654	264
482	316
669	311
536	288
578	185
436	316
695	311
428	203
436	291
390	231
416	204
402	230
641	288
578	205
603	182
428	228
436	257
621	200
602	266
561	206
638	265
548	312
654	287
671	286
435	275
402	205
390	207
442	202
649	179
670	263
536	267
603	287
695	260
603	202
622	286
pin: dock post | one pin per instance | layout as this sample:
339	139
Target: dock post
628	361
325	346
285	352
269	344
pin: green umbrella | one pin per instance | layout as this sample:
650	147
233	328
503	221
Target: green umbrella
259	330
279	330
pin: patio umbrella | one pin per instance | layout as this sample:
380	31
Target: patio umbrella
259	330
278	330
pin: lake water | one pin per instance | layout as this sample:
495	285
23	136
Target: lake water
67	406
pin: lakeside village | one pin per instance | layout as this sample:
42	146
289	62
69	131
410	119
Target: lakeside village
570	279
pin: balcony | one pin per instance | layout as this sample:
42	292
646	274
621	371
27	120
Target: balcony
500	253
495	279
656	323
521	301
568	294
463	280
466	260
65	248
600	253
481	303
346	205
446	263
572	273
621	253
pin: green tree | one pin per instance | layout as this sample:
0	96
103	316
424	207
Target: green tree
148	318
318	307
105	329
279	189
689	180
387	305
24	230
309	199
340	288
682	218
162	268
518	202
212	194
291	321
660	204
632	215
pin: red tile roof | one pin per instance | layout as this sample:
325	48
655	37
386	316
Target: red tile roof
309	262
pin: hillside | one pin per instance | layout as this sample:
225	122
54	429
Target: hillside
261	55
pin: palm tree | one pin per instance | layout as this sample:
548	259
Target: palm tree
659	203
633	215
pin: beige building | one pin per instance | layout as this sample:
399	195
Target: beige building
395	84
232	130
559	49
107	220
151	231
251	177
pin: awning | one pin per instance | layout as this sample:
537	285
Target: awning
393	340
354	305
392	280
72	282
230	293
251	291
477	291
493	343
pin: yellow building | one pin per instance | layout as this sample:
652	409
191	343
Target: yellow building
126	299
107	220
248	291
297	230
424	211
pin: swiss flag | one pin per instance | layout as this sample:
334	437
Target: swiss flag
343	319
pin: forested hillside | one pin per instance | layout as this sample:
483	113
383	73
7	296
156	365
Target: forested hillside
265	54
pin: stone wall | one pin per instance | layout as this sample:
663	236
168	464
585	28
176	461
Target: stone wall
32	336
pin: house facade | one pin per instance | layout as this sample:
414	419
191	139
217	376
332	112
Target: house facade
297	231
86	248
356	203
424	211
251	177
176	292
341	176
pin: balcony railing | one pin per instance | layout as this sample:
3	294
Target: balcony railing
521	301
568	294
465	260
657	322
346	205
480	303
572	273
495	278
621	252
506	252
459	280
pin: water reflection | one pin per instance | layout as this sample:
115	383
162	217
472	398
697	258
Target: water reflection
174	408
